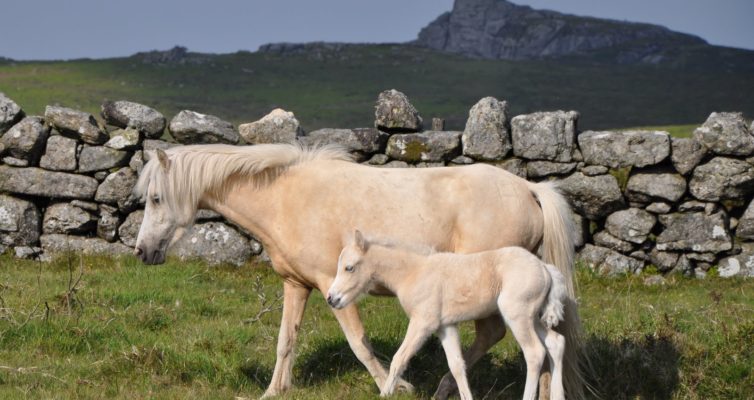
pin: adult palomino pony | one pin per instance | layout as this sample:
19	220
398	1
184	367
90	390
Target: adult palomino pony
303	203
439	290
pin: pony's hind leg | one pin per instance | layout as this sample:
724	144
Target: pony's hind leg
294	303
416	334
489	331
451	342
520	319
555	344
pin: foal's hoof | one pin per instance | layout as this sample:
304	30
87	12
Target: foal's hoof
270	393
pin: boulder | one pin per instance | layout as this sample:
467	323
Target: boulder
624	149
20	222
722	178
58	243
107	224
694	231
39	182
378	159
726	134
659	208
486	135
100	158
124	139
593	196
60	154
126	114
648	186
605	239
362	142
632	225
425	146
745	228
394	113
608	262
663	260
117	189
580	229
67	218
279	126
740	265
76	124
10	113
136	162
214	242
27	252
541	169
129	229
545	135
26	140
594	170
515	166
15	162
190	127
686	154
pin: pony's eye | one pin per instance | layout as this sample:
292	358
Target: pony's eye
156	199
349	268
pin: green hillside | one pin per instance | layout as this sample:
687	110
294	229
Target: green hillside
337	86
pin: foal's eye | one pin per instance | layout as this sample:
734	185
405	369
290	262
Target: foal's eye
156	199
349	268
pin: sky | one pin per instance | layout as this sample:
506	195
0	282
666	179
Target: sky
69	29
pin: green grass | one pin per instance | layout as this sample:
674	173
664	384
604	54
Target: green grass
184	330
339	88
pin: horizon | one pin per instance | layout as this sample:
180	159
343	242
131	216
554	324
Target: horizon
236	25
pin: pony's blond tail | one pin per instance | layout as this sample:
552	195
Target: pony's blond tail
557	249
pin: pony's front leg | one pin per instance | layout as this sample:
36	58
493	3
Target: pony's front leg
416	334
294	303
353	328
489	331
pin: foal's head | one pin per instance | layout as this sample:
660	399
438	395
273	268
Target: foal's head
354	274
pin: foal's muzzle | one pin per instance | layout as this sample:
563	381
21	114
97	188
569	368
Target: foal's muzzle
335	301
150	257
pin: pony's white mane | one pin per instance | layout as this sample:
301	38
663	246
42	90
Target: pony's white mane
198	169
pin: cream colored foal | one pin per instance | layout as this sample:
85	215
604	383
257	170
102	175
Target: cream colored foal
439	290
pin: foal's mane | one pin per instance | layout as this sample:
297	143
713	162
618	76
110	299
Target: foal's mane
198	169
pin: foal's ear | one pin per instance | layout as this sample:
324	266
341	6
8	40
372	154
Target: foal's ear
358	238
164	160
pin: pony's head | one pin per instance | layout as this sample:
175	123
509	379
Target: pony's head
354	273
165	217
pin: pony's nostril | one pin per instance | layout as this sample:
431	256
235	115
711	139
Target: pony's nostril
329	299
138	251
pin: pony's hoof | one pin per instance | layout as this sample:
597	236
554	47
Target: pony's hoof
269	393
405	387
446	388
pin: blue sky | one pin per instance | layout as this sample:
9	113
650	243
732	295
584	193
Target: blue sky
56	29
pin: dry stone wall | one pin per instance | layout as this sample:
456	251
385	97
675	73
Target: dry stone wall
639	198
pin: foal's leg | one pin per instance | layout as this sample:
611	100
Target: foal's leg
416	334
520	319
489	331
353	328
555	344
451	342
294	303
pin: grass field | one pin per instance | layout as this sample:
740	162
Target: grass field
184	330
338	88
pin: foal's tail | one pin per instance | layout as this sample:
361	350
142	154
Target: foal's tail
553	311
557	249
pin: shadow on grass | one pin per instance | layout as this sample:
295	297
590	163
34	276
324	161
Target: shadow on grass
646	368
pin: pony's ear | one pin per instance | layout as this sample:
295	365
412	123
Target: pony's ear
358	238
164	160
